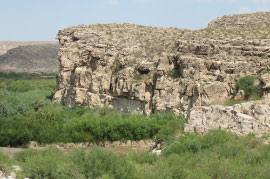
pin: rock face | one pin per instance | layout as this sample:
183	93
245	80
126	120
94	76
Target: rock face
240	118
31	58
146	70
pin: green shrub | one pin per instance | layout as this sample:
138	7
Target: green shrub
194	143
173	73
143	158
38	104
22	108
188	143
5	109
23	85
56	123
3	158
216	137
137	76
13	132
168	131
218	154
247	84
99	162
50	96
19	86
50	163
24	155
37	118
4	92
5	162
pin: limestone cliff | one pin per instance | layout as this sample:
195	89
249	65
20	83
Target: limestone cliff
142	69
240	118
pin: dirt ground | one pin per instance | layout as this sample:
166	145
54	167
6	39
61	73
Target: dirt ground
10	151
115	147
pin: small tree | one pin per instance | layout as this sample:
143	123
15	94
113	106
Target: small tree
247	84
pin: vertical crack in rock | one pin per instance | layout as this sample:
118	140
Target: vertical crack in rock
70	93
151	105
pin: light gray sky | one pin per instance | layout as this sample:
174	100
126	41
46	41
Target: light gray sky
40	20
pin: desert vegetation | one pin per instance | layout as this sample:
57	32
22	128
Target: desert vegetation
251	91
173	73
28	113
218	154
138	62
246	84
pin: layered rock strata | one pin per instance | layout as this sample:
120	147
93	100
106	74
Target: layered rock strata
240	118
146	70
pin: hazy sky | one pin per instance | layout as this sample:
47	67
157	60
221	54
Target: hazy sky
38	20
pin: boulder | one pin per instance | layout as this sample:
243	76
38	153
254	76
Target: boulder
240	95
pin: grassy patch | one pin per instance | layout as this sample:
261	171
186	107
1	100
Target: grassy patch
137	76
23	75
232	102
5	163
173	73
218	154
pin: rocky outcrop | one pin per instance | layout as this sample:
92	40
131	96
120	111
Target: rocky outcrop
240	118
145	70
122	66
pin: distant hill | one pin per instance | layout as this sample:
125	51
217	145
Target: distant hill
7	45
242	21
34	57
245	26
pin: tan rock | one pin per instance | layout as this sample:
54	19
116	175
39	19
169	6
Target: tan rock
141	69
241	118
217	91
240	95
266	81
